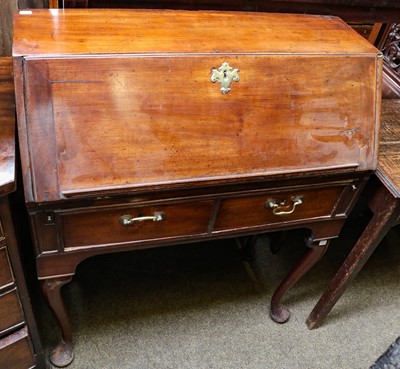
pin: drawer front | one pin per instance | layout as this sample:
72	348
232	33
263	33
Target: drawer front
129	224
16	351
6	276
271	208
140	121
10	310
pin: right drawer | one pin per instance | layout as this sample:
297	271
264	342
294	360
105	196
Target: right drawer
275	207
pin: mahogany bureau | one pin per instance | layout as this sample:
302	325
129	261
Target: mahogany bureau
143	128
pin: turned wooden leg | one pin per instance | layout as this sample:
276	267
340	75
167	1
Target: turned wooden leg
280	313
386	213
63	354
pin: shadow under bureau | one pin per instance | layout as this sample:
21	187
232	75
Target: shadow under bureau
148	128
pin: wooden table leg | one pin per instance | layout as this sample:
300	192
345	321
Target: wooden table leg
280	313
63	354
386	211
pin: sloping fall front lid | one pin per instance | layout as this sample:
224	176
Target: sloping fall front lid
111	100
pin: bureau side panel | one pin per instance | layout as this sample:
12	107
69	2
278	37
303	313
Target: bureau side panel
137	122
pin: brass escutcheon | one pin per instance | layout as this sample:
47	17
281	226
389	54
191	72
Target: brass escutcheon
225	74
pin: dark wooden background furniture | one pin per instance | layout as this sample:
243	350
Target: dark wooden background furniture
19	339
388	40
385	205
129	140
365	11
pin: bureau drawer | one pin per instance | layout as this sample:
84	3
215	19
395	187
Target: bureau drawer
277	207
129	224
6	276
10	311
16	351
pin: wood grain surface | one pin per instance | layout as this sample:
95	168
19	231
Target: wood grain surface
7	127
98	31
142	111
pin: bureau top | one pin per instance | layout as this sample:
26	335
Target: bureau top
76	32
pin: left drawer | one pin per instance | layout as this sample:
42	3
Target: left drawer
127	224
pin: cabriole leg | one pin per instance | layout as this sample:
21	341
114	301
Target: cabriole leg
386	211
280	313
63	354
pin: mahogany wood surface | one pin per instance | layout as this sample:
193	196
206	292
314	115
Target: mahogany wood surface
385	205
161	135
118	116
7	127
81	228
279	312
163	140
59	32
250	210
63	354
77	229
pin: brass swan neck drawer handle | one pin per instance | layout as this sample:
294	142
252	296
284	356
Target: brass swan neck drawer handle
283	208
127	220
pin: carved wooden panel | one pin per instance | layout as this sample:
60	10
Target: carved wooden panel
389	43
391	47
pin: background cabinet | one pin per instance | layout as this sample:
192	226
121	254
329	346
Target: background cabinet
20	346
